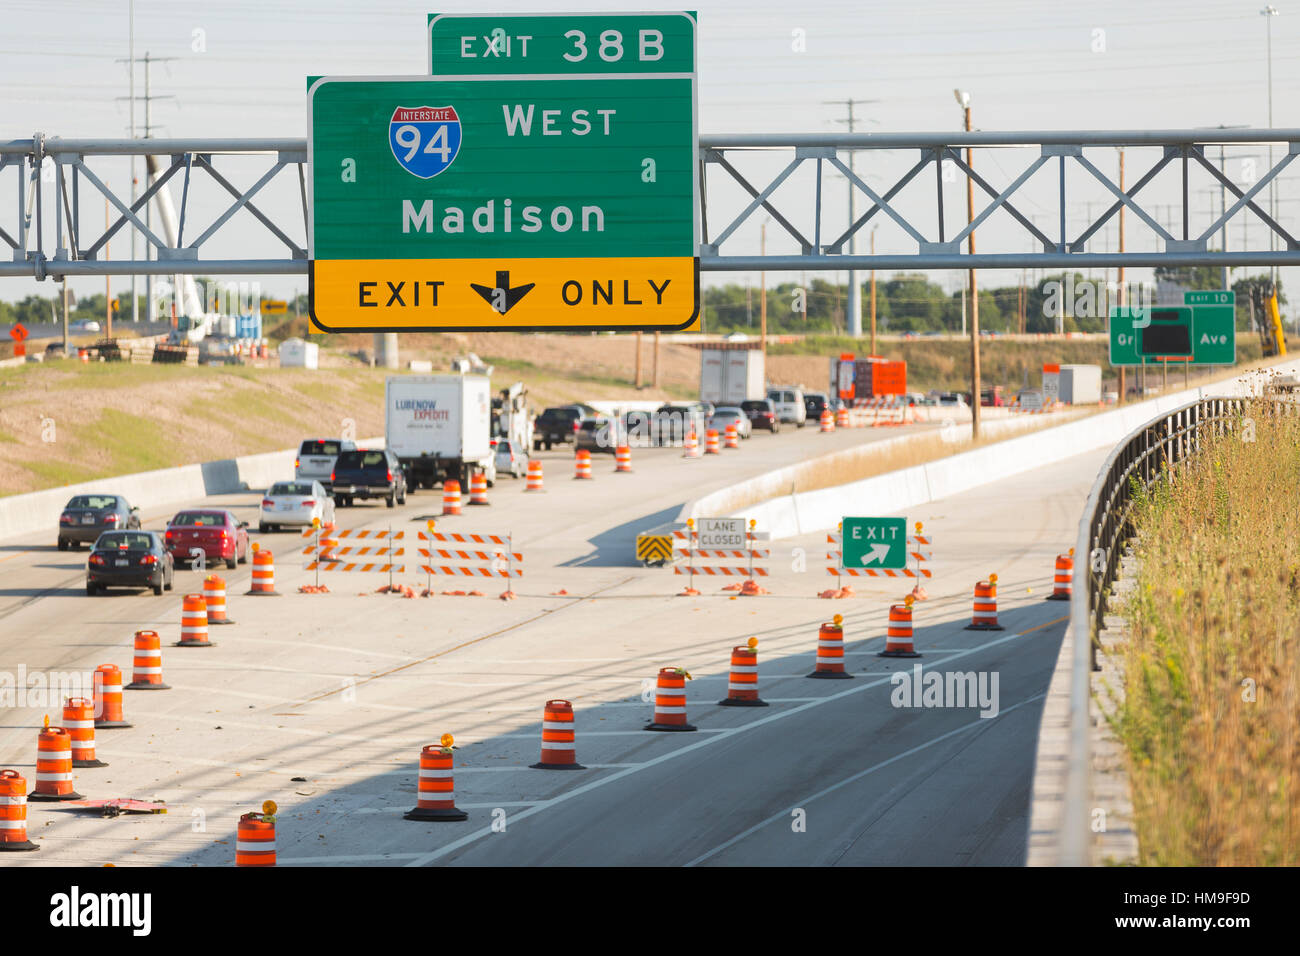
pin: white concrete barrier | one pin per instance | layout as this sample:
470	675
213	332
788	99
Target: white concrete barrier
786	515
39	510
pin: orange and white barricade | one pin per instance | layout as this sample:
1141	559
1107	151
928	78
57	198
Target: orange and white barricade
255	839
691	446
742	679
984	613
582	465
670	701
146	662
534	481
13	813
194	622
731	436
451	497
1063	578
214	594
478	488
841	418
436	789
830	651
108	698
711	445
487	555
53	765
79	722
828	420
263	584
623	458
898	638
559	742
382	553
749	554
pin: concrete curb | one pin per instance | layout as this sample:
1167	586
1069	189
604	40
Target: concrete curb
39	510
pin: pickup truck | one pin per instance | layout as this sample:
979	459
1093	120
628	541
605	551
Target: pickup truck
374	473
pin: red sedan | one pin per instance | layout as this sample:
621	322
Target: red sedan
218	534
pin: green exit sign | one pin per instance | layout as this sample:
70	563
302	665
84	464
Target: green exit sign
1202	332
873	543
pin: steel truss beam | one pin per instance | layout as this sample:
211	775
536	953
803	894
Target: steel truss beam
721	158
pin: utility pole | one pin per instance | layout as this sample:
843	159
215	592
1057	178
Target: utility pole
135	301
854	313
1269	12
638	360
108	280
1120	271
963	100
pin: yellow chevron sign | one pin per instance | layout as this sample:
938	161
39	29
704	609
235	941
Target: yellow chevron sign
654	548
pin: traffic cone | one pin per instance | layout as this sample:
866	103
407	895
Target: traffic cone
13	813
451	497
830	651
742	681
827	421
691	446
623	458
898	638
478	489
559	746
984	616
1063	579
582	464
79	722
53	765
534	482
108	698
436	800
670	701
711	446
731	437
146	663
842	417
255	838
194	622
263	584
214	595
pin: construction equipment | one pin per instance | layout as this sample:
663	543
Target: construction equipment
1263	302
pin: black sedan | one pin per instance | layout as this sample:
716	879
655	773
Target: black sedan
129	559
86	517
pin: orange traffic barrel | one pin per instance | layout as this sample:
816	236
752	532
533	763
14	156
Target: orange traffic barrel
827	421
478	489
54	765
670	701
146	663
108	698
1063	579
451	497
691	447
830	652
214	594
898	638
581	464
742	682
13	812
711	446
559	742
984	615
623	458
255	841
263	583
731	436
79	722
842	417
194	622
534	482
436	790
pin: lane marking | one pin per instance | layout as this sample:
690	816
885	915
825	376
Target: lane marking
785	814
427	858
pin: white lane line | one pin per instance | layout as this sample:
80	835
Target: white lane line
785	814
216	633
321	860
426	858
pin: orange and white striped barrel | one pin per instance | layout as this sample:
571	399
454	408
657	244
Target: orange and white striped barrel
214	594
534	481
108	698
13	812
194	622
559	743
79	722
984	615
54	766
898	638
255	841
581	464
731	436
478	489
263	574
670	701
436	798
827	421
711	445
623	458
842	417
146	663
742	682
451	497
1063	579
830	653
691	446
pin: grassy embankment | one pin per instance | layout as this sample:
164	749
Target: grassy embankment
1211	716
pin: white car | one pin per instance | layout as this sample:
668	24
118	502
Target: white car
294	503
731	415
509	460
789	403
952	400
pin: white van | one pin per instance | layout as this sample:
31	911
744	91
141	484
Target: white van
789	404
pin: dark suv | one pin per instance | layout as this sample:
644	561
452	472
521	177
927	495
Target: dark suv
373	473
557	426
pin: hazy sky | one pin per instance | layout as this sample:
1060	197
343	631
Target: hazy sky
1027	65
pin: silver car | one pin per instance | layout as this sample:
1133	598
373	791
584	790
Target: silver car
731	415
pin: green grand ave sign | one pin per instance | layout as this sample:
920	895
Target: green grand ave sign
1202	331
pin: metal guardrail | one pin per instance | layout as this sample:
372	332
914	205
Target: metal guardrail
1146	455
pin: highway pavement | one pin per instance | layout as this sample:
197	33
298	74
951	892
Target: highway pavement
322	702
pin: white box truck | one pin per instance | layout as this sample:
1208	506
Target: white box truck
729	376
440	427
1080	384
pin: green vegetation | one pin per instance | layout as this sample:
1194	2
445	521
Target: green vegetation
1211	715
